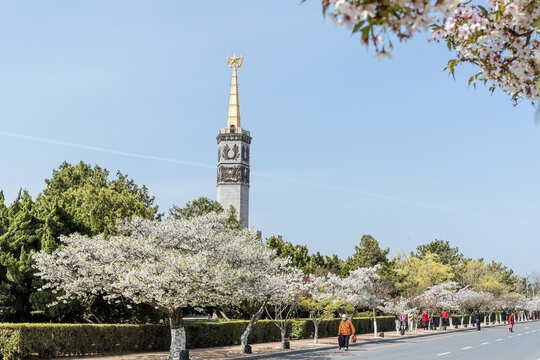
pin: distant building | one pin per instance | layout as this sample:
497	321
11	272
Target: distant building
233	155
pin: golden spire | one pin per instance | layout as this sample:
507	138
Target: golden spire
233	120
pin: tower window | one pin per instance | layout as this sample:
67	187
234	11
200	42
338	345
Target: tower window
232	129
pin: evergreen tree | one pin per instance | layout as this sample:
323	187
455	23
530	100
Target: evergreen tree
21	236
368	253
301	259
444	253
203	206
80	198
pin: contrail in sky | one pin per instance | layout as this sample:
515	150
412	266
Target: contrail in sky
189	163
104	150
264	175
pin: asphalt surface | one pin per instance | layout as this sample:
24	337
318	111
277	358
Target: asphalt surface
490	343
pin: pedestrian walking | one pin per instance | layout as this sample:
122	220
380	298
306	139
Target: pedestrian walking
403	323
346	329
511	322
431	322
444	316
425	320
477	316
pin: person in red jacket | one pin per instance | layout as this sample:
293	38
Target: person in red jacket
425	320
511	322
444	316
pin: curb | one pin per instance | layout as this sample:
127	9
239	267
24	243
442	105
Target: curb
322	348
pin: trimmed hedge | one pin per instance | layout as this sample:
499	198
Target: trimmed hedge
23	341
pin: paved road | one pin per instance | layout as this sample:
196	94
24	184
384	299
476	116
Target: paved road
490	343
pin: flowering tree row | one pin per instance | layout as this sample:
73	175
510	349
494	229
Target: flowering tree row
204	261
449	296
501	39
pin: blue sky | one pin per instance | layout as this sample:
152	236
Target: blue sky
343	145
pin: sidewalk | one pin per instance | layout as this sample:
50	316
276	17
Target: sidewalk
274	348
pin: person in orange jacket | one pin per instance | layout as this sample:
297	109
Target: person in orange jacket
346	329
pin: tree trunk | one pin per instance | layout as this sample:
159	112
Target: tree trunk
470	319
485	319
462	320
450	319
440	322
315	331
252	322
353	313
397	327
178	334
283	337
224	316
374	323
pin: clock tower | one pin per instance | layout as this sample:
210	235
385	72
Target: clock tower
233	155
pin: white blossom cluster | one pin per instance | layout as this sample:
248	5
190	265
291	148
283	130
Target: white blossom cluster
441	296
169	264
357	288
399	306
502	39
374	19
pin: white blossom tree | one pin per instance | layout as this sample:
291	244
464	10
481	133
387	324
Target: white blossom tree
397	307
287	290
438	297
169	265
320	301
261	289
464	300
359	289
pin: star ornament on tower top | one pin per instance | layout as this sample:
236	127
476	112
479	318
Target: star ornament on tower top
234	62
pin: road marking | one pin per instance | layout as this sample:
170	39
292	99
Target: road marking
527	332
487	342
446	353
466	348
511	336
498	340
519	334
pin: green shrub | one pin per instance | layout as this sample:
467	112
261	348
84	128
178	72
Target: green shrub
23	341
20	341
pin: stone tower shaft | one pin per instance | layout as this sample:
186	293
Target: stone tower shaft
233	155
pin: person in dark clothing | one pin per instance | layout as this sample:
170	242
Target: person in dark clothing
431	323
477	316
504	317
